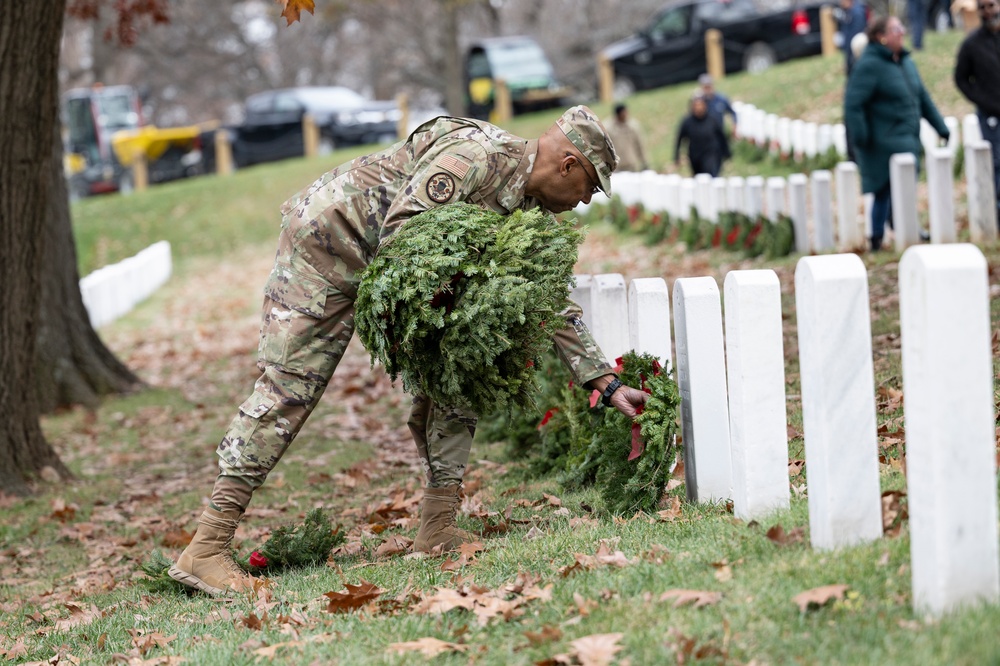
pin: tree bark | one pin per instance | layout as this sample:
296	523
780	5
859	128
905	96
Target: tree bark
72	364
30	33
455	86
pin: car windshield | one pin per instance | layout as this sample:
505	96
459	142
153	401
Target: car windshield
520	61
334	98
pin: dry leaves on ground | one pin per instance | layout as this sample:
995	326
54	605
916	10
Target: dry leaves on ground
605	556
485	603
819	596
699	598
778	535
356	596
594	650
672	512
429	647
894	512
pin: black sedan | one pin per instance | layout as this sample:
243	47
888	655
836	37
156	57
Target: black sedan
272	127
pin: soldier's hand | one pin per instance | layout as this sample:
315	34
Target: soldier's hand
627	399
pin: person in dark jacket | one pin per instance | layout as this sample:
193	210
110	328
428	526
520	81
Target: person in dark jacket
717	103
884	102
708	146
977	75
852	16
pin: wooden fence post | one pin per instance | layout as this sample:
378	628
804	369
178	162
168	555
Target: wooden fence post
827	29
714	60
223	153
310	135
140	172
605	79
403	124
503	107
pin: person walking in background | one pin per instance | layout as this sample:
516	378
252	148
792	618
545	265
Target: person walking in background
627	140
884	102
718	104
852	16
708	146
916	17
977	75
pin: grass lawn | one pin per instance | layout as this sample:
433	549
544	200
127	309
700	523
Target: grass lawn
70	583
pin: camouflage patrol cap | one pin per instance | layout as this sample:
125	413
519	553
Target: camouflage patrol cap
582	127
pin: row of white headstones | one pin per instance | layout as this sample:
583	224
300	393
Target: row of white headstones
809	200
798	139
113	290
733	403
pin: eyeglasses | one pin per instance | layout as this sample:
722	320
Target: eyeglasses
594	187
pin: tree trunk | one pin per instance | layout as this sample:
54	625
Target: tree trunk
455	86
30	33
72	365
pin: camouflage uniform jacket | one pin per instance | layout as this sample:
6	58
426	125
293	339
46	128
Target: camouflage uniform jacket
338	222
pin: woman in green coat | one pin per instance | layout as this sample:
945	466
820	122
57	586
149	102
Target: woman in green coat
883	104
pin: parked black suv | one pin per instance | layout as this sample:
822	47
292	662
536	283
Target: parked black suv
671	48
272	127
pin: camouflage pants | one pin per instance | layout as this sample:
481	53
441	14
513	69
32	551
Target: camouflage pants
444	438
306	326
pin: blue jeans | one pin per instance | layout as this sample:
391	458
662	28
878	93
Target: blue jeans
881	211
992	134
916	15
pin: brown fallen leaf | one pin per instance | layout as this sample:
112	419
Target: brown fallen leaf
697	597
177	538
778	535
672	513
444	600
146	642
471	549
552	499
78	616
62	511
548	634
355	597
795	467
596	650
394	545
429	647
819	596
894	513
292	9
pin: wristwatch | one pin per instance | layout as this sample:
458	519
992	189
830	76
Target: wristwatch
610	391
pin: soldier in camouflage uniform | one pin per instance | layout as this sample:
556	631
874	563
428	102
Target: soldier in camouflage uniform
330	232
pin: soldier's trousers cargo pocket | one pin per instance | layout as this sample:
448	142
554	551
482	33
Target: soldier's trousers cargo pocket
242	452
252	412
294	305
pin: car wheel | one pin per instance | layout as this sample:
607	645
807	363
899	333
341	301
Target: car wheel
758	57
623	88
326	145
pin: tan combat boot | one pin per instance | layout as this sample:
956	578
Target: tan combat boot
206	564
437	521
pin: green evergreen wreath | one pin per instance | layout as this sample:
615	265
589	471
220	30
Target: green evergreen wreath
634	485
461	303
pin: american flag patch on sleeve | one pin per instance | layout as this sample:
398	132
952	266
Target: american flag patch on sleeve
455	165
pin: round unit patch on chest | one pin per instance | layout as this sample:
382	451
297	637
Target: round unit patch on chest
440	187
